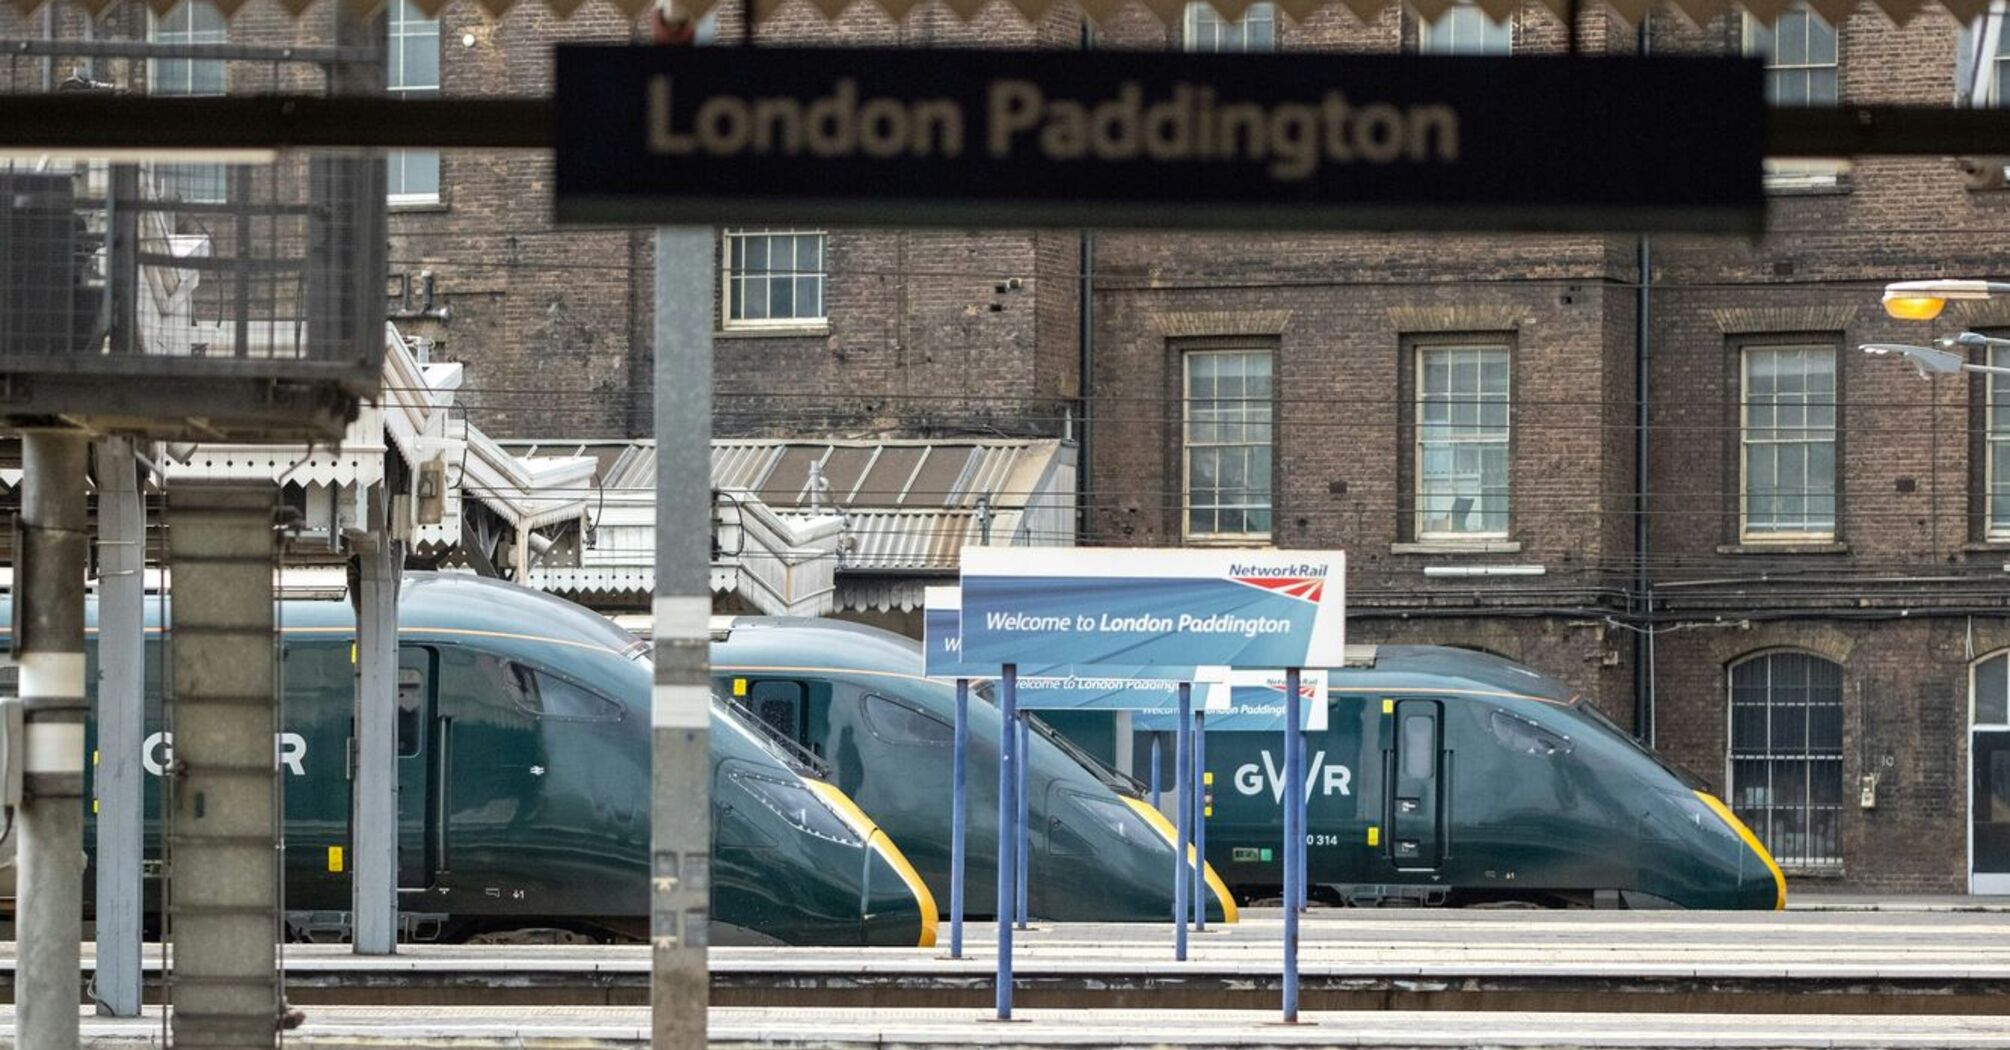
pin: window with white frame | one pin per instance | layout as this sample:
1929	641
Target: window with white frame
1464	29
1801	58
1226	444
190	22
412	70
1462	441
1788	433
1786	770
773	277
1206	30
1997	434
1989	692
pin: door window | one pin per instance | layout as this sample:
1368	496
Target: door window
903	726
411	706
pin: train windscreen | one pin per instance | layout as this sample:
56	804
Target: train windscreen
1688	779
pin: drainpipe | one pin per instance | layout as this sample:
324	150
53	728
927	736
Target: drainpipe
1643	584
1085	342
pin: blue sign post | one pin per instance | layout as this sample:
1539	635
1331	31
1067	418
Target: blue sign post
941	644
1084	610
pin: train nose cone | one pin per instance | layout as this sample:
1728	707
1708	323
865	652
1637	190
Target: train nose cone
1761	884
899	909
896	905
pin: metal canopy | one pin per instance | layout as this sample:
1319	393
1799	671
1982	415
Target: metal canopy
1171	11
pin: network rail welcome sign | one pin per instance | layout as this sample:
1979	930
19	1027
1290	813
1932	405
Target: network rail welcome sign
1097	609
1144	139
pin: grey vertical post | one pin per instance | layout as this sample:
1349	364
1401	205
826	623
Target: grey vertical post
1200	819
1008	837
49	647
680	804
122	601
222	832
1021	799
373	822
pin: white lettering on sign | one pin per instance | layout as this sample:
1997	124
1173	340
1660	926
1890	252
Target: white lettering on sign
1335	779
288	749
1291	139
1141	623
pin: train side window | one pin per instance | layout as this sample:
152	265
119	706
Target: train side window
1095	822
901	725
547	696
1524	737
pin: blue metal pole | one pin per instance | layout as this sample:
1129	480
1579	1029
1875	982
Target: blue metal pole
1293	835
1025	826
1008	838
1304	798
1155	769
1182	811
1200	819
957	818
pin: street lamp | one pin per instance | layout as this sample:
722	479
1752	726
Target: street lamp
1923	300
1941	358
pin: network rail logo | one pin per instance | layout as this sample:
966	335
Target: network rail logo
1301	581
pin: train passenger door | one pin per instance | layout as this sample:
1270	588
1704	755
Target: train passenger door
1414	778
420	738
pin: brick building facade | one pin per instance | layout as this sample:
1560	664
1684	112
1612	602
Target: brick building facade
1820	600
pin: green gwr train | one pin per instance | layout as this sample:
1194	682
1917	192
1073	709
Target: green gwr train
523	777
1445	777
855	696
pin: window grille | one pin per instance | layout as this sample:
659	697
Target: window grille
1786	756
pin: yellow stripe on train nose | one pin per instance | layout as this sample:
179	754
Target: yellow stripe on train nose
888	850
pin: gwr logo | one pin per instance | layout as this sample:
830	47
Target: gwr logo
1335	779
288	749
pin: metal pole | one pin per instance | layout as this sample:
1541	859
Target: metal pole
1025	832
1200	819
122	599
373	829
1008	840
1182	809
680	784
1302	795
49	647
1292	834
958	817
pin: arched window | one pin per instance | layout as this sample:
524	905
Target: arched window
1786	755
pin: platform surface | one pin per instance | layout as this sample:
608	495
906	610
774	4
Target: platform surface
377	1028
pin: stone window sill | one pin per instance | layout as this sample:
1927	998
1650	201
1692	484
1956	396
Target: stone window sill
806	331
417	207
1987	546
1457	547
1784	548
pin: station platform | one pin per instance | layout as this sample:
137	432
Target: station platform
626	1028
1872	962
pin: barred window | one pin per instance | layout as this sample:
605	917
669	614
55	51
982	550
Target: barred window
1789	442
1206	30
1786	755
1462	441
1227	443
774	277
412	70
191	22
1465	30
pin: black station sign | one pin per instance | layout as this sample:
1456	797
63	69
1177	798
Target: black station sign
1296	141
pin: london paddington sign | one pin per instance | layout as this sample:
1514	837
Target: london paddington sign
1154	139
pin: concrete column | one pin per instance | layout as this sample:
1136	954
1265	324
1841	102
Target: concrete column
680	719
49	647
223	817
121	725
373	823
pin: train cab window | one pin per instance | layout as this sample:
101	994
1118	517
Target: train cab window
1090	823
903	726
799	806
1524	737
781	705
547	696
